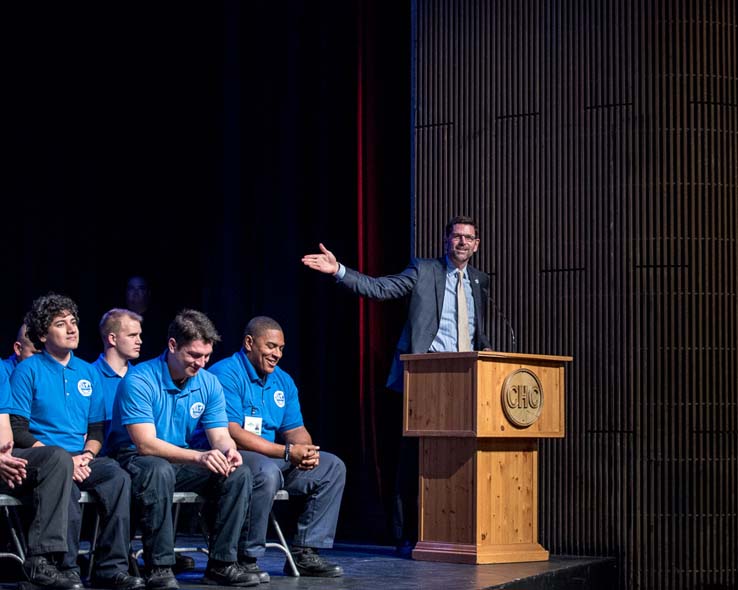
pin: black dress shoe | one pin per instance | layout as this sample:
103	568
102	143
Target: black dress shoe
120	581
41	572
250	565
73	577
161	578
183	563
309	563
220	573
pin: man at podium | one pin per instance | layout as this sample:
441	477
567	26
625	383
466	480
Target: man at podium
448	299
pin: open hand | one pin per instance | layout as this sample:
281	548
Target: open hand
324	262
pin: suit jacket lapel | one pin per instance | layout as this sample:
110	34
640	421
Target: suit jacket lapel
439	272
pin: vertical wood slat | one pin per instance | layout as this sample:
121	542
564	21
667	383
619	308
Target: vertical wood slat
596	143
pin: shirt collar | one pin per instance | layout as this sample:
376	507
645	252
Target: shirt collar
73	363
250	370
105	367
451	269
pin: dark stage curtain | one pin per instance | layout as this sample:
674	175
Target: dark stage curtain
208	146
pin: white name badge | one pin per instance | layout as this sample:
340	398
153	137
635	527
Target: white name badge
252	424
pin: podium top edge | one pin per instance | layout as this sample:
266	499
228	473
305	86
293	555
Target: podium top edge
489	354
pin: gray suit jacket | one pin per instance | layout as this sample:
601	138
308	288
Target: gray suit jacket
424	280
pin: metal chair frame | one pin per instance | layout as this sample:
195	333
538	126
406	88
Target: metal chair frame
9	505
180	498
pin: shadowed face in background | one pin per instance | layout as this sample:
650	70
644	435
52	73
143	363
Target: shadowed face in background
137	294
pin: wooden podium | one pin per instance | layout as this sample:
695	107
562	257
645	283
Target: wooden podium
479	416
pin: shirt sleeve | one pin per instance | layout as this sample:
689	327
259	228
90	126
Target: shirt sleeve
214	415
5	395
21	387
292	415
134	402
97	403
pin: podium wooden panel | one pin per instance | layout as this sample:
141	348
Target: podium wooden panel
478	470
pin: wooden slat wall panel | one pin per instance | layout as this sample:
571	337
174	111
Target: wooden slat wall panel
597	145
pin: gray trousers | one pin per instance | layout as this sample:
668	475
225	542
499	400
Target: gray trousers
323	491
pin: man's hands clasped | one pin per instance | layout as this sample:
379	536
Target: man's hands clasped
304	456
222	462
12	469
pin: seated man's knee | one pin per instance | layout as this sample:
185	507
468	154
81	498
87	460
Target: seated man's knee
271	478
335	465
148	472
59	459
267	476
243	476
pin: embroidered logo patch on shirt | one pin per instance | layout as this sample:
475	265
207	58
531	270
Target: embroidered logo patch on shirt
279	398
197	409
84	387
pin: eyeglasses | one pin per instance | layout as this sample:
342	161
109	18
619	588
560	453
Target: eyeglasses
467	237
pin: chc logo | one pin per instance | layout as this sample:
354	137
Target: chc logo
522	397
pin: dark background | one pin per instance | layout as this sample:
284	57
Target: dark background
208	146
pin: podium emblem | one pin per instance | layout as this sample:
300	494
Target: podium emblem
522	398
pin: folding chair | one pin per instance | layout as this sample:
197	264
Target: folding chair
18	537
178	498
15	528
84	499
282	545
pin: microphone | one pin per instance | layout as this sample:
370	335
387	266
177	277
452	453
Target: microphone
499	313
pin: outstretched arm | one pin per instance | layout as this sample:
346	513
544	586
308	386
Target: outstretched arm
324	262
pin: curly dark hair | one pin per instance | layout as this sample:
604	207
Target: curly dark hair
190	325
43	310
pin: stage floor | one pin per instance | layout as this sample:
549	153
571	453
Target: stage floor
376	567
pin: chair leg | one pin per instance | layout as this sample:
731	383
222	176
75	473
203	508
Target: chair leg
282	545
16	534
93	541
133	568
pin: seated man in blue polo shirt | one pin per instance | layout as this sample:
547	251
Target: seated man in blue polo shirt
158	406
266	422
22	349
57	401
45	475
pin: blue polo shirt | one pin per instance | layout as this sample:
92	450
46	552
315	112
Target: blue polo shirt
274	399
9	364
5	396
109	381
59	401
147	395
